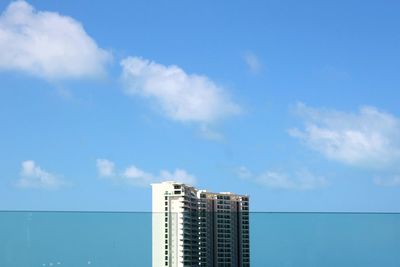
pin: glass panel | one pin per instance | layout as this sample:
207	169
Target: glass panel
74	239
124	239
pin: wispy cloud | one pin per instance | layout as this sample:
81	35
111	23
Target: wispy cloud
244	173
369	138
208	133
33	176
135	176
391	181
252	62
105	167
180	96
300	180
332	73
47	44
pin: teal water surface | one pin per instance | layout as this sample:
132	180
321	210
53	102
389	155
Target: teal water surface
99	239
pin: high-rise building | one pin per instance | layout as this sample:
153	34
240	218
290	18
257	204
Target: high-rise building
192	227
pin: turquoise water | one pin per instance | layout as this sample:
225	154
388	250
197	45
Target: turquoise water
124	239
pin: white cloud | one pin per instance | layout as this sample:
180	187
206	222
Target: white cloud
135	176
178	175
180	96
301	180
252	62
369	138
47	44
388	182
33	176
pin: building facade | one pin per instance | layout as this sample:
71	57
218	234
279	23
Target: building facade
192	227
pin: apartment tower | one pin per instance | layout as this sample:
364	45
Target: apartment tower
192	227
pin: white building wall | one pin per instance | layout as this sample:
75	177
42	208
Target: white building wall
174	229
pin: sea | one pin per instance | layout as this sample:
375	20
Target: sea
123	239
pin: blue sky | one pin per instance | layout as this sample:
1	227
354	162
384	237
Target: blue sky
295	103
